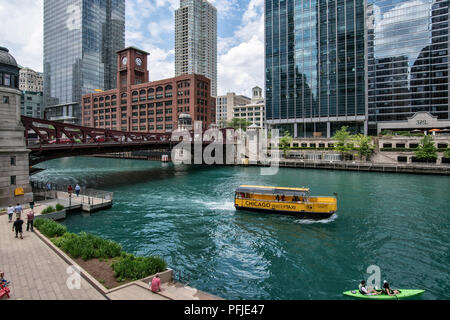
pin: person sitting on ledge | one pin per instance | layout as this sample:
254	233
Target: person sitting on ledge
156	284
3	281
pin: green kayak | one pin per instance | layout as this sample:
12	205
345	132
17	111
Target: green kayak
404	294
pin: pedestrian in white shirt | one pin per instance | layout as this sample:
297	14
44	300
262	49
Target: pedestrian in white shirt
10	213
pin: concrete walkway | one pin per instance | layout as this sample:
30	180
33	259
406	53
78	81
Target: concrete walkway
34	270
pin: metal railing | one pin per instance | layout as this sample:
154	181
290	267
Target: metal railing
86	196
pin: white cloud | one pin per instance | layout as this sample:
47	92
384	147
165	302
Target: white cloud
241	57
22	31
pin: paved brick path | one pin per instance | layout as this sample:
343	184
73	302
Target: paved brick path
36	272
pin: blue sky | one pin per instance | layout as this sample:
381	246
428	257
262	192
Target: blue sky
150	26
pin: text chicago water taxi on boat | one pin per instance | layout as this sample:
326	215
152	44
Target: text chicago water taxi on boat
292	201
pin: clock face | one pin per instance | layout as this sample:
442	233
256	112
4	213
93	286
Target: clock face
124	61
139	62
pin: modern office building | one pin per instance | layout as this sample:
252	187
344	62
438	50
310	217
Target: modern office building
30	80
196	40
32	104
31	83
315	61
225	105
138	105
81	39
408	63
366	64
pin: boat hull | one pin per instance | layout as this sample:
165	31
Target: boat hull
404	294
302	215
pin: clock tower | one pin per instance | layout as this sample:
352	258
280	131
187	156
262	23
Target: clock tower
131	68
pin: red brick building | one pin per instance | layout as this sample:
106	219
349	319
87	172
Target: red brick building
142	106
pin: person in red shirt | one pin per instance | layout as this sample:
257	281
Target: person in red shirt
156	284
70	189
30	221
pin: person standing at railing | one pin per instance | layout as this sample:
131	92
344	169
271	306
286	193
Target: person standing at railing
77	189
70	190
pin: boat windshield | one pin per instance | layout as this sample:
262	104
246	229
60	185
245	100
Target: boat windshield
279	194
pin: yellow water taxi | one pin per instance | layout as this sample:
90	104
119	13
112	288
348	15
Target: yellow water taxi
293	201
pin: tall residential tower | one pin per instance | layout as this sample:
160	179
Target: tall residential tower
81	39
196	40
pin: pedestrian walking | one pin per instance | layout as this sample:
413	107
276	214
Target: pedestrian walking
17	226
18	210
77	190
70	189
30	221
32	205
49	186
10	213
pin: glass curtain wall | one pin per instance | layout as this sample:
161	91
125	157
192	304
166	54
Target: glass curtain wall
81	38
314	63
408	59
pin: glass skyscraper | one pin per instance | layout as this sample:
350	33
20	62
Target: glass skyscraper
315	58
81	38
407	59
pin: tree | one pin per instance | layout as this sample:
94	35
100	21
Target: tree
447	153
285	142
238	123
343	137
365	145
427	149
222	123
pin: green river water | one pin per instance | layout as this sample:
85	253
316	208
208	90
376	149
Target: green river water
400	223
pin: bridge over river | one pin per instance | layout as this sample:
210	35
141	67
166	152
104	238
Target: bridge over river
49	140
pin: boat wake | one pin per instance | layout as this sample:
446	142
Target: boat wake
223	206
311	221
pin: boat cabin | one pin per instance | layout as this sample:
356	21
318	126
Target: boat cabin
273	194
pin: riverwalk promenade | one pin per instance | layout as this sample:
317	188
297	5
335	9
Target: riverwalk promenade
37	270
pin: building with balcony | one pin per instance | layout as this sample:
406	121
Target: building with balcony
30	80
196	40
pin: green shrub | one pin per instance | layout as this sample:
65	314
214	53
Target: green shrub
48	210
131	267
88	246
59	207
50	228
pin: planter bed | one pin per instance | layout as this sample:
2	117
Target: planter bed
102	271
99	257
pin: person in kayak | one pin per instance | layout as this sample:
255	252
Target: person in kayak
365	291
387	290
